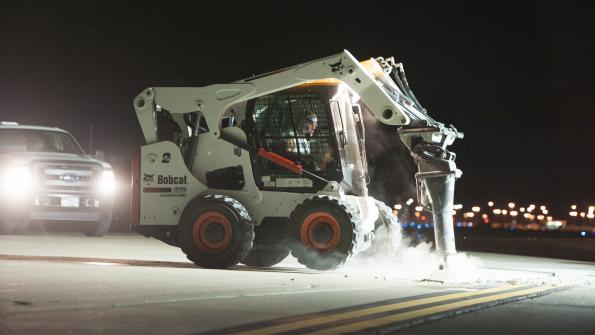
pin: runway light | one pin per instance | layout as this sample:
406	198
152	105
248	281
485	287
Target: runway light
511	205
490	203
475	209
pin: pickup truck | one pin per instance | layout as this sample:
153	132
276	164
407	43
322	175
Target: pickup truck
45	175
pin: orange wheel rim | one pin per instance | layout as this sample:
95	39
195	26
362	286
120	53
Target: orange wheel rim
212	232
320	231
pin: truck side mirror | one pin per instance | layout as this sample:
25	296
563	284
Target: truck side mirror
100	155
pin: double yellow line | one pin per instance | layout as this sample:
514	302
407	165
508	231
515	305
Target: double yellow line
490	295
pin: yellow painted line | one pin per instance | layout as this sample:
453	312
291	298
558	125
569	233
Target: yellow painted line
375	323
366	311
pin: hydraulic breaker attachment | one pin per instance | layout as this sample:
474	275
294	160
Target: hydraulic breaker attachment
436	181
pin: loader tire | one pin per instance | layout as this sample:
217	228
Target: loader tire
323	232
266	255
387	233
215	231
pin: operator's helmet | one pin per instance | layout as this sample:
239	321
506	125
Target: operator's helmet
311	117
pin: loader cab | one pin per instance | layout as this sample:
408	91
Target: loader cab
310	125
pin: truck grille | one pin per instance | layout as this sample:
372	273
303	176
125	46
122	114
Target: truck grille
68	177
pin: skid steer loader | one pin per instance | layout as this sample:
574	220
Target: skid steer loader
272	164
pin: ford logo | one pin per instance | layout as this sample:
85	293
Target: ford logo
69	178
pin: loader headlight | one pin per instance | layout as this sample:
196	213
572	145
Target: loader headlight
15	182
108	182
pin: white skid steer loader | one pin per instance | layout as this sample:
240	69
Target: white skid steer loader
253	170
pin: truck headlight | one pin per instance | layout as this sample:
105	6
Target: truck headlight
15	182
108	182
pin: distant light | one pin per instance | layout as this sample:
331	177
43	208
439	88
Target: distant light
412	224
573	207
514	213
497	211
423	218
398	206
419	208
409	202
426	225
417	214
469	214
526	215
582	214
549	218
543	208
459	224
545	211
540	217
490	203
419	226
522	209
583	233
511	205
573	213
591	209
457	206
454	212
504	212
591	215
475	209
484	216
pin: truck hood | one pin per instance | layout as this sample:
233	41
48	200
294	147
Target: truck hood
28	157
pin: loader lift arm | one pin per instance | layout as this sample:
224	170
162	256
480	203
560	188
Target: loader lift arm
382	86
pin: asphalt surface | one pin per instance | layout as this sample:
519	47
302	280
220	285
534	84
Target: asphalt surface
68	283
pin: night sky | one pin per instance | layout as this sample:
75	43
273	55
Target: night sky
516	77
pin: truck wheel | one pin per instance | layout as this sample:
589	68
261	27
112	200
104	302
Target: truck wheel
215	231
99	228
323	233
266	255
7	226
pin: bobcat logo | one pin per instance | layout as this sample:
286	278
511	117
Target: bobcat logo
338	66
148	178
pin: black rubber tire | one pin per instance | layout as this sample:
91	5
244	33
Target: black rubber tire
101	227
7	226
265	255
324	259
387	232
241	233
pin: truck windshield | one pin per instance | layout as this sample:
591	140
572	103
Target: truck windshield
31	140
